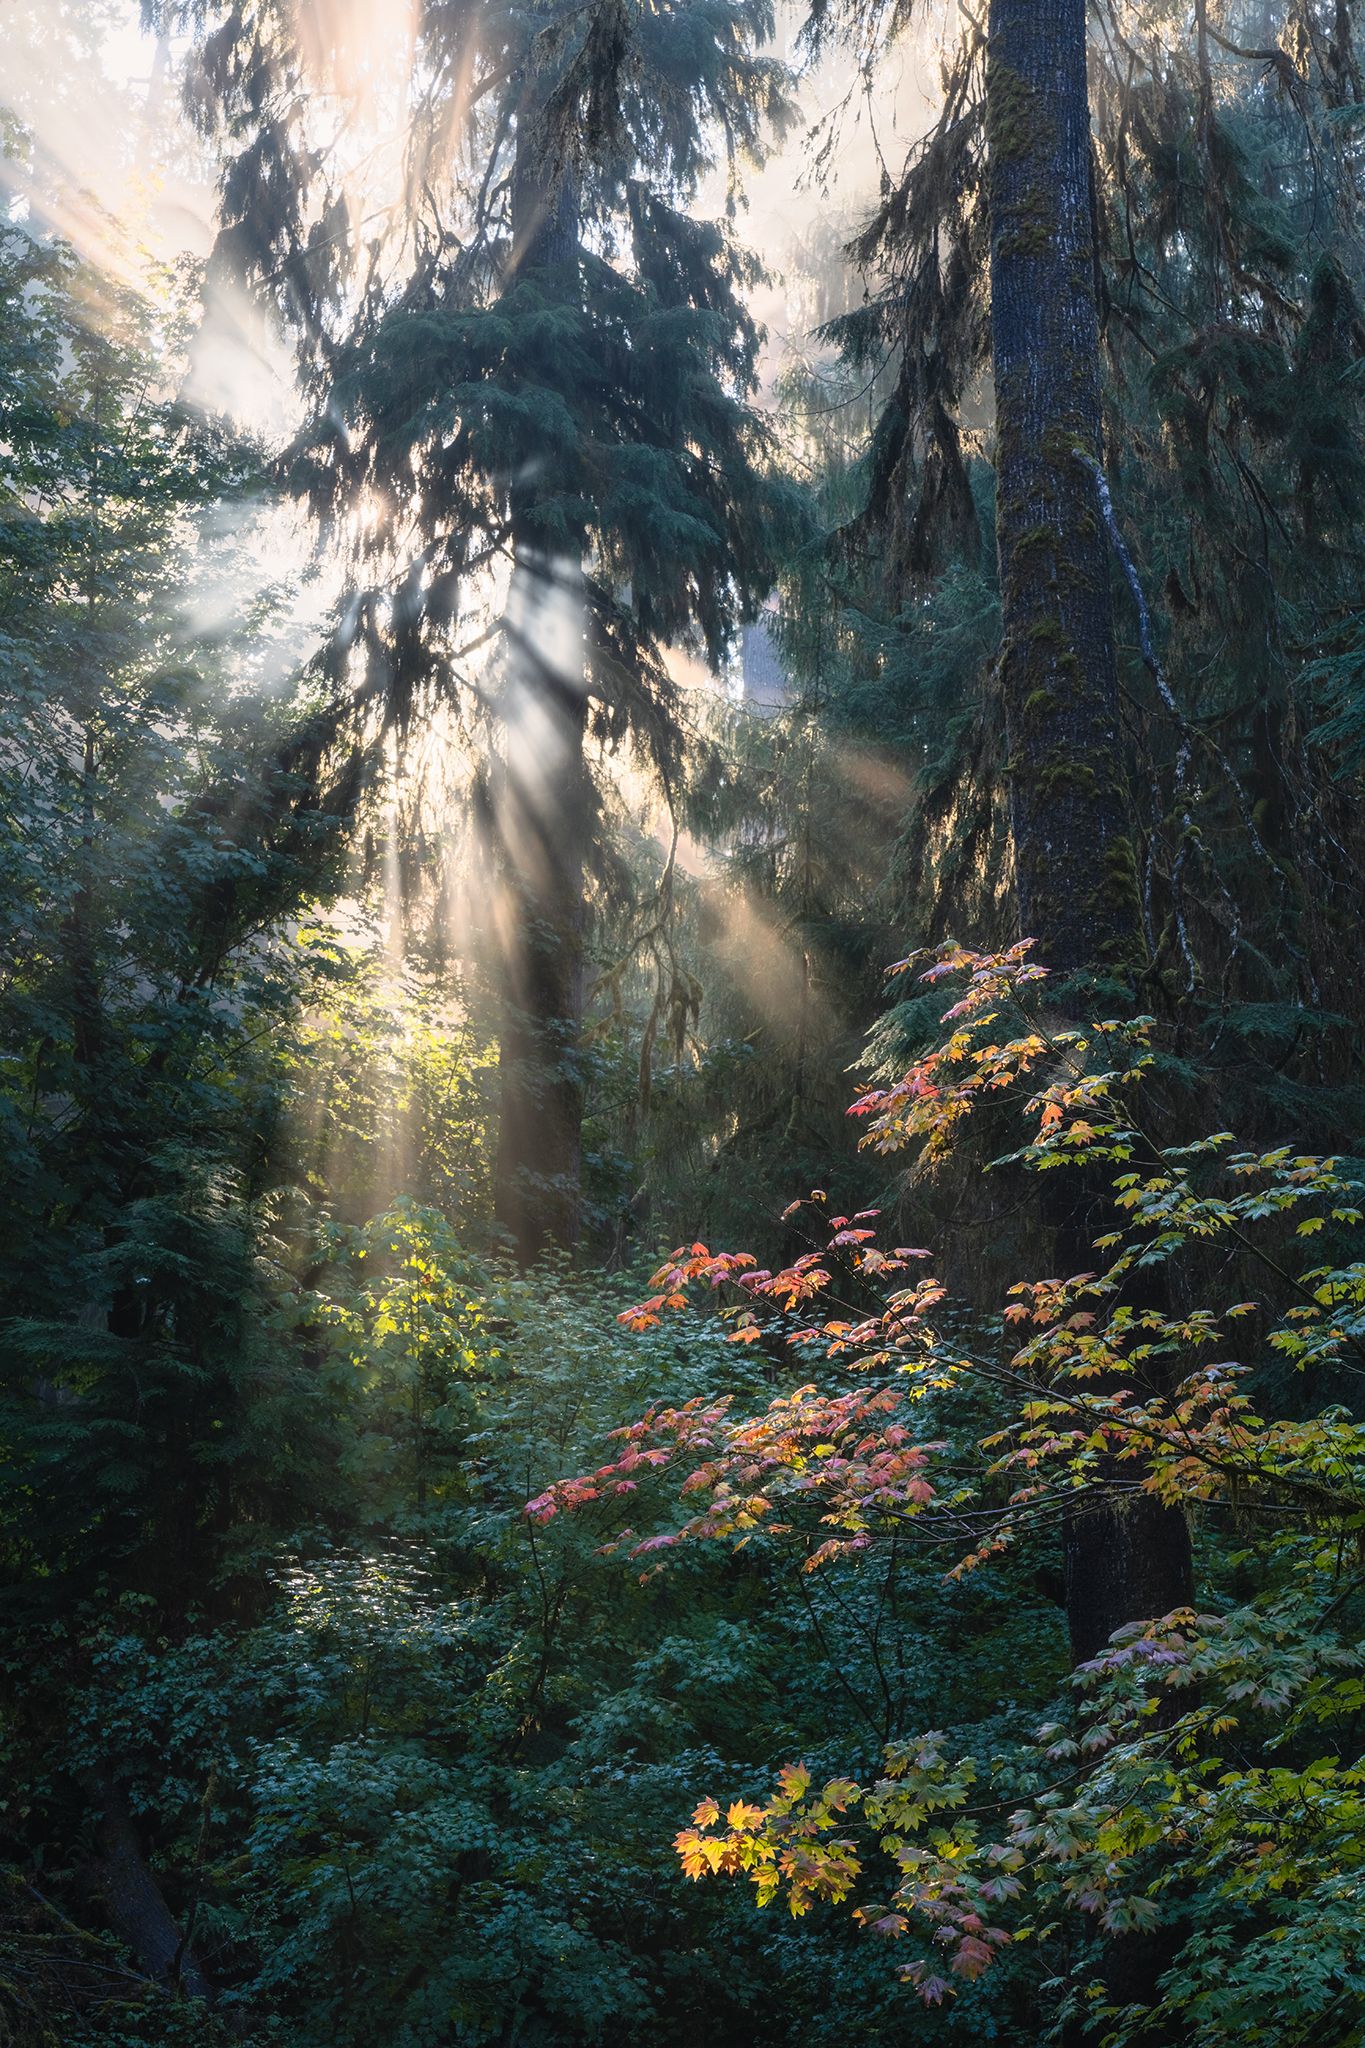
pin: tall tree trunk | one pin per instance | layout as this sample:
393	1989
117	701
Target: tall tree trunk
547	808
1072	854
87	1016
1127	1557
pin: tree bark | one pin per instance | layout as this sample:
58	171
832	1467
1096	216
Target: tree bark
1127	1558
1073	861
132	1897
546	810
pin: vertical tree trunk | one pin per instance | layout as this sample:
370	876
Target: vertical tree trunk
87	1016
1072	856
547	809
1127	1558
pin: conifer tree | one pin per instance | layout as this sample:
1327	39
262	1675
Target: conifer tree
1014	146
551	386
1227	290
546	811
1058	672
1187	322
1075	881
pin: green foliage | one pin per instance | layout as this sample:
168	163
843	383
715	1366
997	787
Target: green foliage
159	824
1228	301
403	1762
575	392
1204	1789
418	1757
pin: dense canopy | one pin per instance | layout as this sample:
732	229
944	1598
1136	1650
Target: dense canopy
682	1294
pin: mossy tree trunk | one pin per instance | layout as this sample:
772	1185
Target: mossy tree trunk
547	808
1127	1558
1059	677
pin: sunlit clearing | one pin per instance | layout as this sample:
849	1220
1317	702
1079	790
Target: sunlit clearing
395	1049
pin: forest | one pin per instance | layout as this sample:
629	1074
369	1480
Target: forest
682	1036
